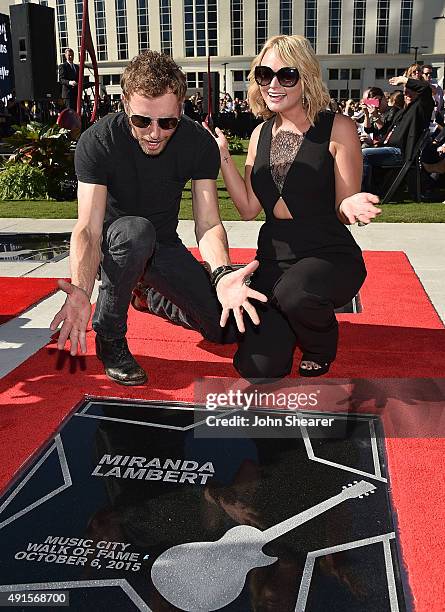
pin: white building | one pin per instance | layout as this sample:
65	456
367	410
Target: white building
358	42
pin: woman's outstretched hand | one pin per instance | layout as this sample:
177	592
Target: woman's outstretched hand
360	207
233	293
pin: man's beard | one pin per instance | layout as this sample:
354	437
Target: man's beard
152	152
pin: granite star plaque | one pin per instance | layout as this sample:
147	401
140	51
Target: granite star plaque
127	508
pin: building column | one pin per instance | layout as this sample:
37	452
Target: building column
249	27
273	18
298	17
394	28
322	27
347	24
178	43
155	25
132	29
370	28
224	29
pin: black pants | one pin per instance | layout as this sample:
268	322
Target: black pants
130	251
302	297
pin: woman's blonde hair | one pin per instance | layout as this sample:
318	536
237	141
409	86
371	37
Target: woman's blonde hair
294	51
412	69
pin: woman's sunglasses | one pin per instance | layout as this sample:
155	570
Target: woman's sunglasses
165	123
287	77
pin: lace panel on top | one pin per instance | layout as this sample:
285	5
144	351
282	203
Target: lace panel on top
283	150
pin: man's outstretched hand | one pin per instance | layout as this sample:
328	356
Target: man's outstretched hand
233	293
75	314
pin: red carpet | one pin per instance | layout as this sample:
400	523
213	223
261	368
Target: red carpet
18	294
398	335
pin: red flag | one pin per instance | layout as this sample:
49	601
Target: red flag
87	45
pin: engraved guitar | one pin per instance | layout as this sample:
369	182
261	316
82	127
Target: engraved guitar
206	576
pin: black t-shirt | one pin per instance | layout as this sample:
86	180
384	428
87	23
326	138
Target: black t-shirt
143	185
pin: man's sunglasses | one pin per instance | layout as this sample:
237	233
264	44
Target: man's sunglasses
287	77
165	123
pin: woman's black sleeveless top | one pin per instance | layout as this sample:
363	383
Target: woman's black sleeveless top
309	193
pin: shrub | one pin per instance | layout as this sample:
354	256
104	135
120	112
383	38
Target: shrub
47	148
235	145
22	182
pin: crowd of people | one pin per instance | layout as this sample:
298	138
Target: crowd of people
233	115
390	125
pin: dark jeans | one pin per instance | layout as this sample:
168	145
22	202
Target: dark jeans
130	251
375	157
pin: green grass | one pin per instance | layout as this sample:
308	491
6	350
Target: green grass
406	212
39	209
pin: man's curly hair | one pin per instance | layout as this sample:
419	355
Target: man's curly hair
153	74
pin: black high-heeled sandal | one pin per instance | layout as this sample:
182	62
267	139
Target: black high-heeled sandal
323	368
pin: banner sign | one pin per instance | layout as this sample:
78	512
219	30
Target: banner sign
6	62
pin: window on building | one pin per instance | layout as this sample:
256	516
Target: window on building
356	74
101	30
106	79
143	25
116	79
344	94
62	24
238	75
261	15
246	75
333	74
359	20
333	93
200	29
406	18
200	79
381	44
310	22
165	15
121	29
379	73
286	17
239	94
191	79
355	94
400	71
344	74
236	12
334	26
212	29
390	72
189	28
